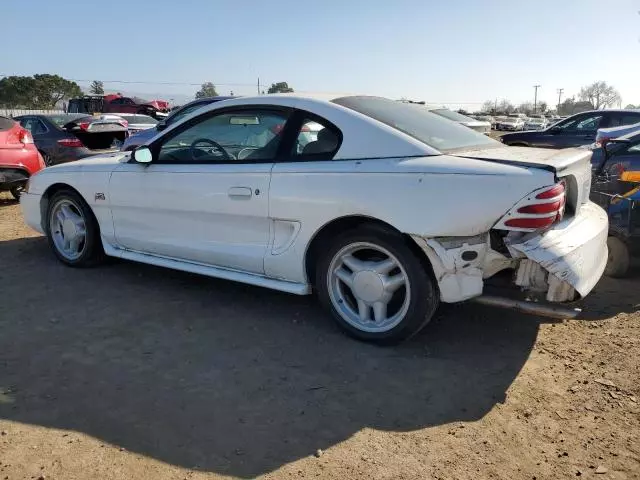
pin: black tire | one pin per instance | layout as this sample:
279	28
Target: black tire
619	259
16	191
423	298
93	253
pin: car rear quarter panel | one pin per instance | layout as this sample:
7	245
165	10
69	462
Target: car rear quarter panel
428	197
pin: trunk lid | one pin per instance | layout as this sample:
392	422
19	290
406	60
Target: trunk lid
100	133
573	165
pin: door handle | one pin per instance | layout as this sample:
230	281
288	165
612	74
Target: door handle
240	192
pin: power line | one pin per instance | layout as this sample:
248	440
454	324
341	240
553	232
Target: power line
147	82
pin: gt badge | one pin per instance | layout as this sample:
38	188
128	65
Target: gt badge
98	196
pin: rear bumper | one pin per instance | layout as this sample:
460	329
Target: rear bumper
30	206
574	251
556	264
12	177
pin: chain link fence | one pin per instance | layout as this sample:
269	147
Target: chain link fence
14	112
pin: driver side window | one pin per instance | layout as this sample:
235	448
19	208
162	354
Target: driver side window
250	134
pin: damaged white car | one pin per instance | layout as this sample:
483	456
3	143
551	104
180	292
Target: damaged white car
382	207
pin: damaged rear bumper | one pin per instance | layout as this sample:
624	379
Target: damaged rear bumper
568	258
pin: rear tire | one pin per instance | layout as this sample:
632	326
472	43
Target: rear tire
46	158
619	259
377	289
72	230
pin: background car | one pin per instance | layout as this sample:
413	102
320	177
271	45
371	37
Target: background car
229	193
514	123
605	134
175	116
153	108
137	122
19	157
535	124
472	123
575	131
67	137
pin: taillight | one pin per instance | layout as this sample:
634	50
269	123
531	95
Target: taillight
25	136
70	142
540	209
557	190
124	123
84	125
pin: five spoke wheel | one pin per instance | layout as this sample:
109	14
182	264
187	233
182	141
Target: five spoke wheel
369	287
68	229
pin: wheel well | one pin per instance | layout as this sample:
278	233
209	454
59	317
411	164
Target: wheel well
48	193
343	224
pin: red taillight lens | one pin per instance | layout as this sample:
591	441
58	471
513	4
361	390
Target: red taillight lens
84	125
124	123
532	223
70	142
540	208
555	191
25	136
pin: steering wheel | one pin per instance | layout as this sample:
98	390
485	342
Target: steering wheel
215	145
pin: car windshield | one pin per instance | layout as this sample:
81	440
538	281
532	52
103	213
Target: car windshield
60	120
535	120
418	122
451	115
139	119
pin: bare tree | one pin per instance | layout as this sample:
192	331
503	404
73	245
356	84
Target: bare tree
600	95
526	108
488	106
506	106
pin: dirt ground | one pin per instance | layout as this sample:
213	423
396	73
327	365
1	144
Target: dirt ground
132	372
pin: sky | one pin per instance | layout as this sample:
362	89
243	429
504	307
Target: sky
457	53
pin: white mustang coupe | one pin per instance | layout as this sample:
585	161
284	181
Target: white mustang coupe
382	207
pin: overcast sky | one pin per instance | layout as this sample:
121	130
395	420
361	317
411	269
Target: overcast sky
458	52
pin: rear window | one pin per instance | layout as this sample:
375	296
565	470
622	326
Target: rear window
6	123
60	120
419	123
451	115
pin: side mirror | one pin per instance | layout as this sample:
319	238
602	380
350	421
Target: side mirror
160	126
142	155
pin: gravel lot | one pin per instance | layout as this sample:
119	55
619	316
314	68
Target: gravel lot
132	372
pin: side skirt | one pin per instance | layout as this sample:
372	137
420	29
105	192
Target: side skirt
209	271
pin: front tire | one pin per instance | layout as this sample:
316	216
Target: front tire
375	286
72	230
619	259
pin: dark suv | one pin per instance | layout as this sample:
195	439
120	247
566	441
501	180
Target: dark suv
575	131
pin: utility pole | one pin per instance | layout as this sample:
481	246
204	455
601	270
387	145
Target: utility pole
495	108
535	98
258	85
560	90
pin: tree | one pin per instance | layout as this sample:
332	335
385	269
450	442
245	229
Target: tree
505	106
280	87
542	107
207	89
42	91
488	106
570	107
600	95
631	106
97	87
526	108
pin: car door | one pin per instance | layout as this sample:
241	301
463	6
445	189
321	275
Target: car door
573	132
204	197
621	119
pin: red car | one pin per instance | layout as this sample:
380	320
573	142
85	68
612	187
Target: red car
119	104
19	157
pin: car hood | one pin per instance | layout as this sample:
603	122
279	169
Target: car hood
97	163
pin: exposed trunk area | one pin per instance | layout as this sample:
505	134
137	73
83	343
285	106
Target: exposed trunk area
101	140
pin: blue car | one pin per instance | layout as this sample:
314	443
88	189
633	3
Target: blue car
145	135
